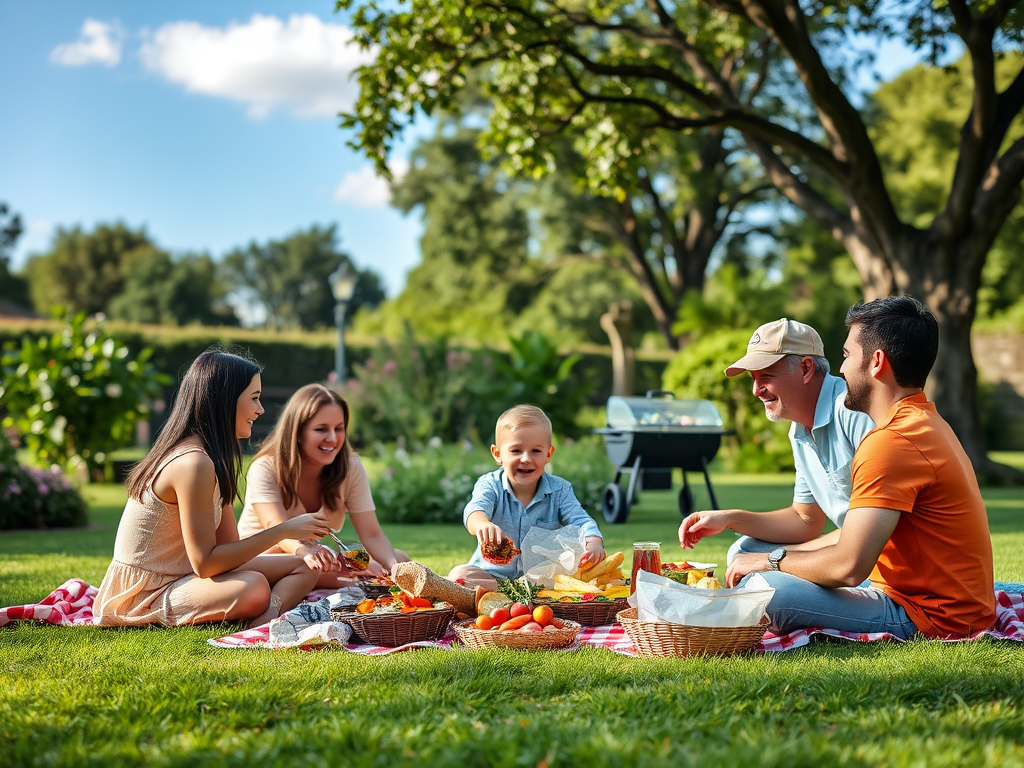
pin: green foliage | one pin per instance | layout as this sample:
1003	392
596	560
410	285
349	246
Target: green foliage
732	300
12	287
535	372
698	371
159	289
434	485
76	396
83	271
413	390
36	498
287	278
431	486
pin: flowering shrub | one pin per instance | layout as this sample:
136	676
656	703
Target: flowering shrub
36	498
76	396
433	486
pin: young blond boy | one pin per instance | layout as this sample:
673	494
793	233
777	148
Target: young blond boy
519	496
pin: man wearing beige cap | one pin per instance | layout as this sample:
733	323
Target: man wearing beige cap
786	360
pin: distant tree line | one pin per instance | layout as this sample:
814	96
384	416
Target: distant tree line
122	273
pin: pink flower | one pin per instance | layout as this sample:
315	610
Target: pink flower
390	367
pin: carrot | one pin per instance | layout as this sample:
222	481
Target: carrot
366	606
420	602
517	622
557	623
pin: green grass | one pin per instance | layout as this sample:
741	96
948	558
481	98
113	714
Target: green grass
86	696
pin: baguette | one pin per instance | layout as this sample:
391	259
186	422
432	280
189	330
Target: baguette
613	561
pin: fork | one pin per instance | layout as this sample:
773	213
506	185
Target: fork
338	541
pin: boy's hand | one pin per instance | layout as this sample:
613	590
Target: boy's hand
489	534
594	552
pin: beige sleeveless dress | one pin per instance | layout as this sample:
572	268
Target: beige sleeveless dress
150	580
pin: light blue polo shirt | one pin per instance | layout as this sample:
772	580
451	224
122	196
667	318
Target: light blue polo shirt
824	454
554	506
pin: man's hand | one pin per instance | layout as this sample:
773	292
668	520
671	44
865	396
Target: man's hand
698	525
745	563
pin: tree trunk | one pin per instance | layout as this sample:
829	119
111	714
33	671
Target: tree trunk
942	277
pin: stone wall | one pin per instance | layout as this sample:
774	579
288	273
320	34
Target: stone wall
999	358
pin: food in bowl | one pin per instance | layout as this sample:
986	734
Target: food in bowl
357	559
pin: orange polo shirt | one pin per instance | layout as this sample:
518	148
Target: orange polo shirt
938	562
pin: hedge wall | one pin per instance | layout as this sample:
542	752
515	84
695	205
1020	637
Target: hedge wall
292	359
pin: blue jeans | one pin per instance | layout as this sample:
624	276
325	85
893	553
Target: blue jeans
799	603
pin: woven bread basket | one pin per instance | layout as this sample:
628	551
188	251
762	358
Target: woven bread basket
471	637
657	639
394	629
593	613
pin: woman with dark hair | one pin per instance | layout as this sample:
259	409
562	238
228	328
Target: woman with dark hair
178	558
306	464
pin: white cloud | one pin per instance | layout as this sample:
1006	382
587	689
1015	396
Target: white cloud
365	189
97	43
302	64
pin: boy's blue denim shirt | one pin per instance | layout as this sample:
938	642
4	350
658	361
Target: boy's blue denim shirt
554	506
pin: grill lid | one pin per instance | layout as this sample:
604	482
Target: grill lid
660	409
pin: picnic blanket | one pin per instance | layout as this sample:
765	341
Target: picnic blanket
71	604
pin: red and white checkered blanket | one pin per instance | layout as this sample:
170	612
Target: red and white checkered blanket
71	604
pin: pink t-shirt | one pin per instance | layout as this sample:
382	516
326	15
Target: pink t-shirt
261	487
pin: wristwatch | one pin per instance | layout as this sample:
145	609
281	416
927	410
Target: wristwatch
775	556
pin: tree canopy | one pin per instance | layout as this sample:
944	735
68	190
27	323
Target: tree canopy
616	74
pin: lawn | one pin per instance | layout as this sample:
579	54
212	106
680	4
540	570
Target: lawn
87	696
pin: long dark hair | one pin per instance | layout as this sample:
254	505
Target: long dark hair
204	407
282	445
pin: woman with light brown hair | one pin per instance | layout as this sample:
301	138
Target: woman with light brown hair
306	464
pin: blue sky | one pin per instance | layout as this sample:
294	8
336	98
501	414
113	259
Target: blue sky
210	124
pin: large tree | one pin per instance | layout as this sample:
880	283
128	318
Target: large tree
287	279
619	72
12	287
176	291
83	270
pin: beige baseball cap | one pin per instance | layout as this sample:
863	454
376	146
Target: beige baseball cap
773	341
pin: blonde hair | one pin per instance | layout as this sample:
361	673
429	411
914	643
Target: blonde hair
521	416
282	445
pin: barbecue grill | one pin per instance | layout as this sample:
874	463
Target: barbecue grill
648	437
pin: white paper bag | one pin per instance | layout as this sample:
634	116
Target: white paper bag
660	599
549	553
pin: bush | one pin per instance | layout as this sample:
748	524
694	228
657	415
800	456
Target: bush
434	485
36	498
76	395
698	372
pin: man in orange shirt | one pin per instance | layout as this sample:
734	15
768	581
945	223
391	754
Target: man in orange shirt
917	523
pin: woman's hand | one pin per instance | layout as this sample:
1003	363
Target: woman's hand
317	557
311	525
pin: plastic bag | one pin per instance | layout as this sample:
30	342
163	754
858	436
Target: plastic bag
549	553
660	599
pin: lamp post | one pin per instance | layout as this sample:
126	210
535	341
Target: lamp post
343	284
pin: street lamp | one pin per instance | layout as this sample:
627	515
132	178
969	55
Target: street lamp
343	284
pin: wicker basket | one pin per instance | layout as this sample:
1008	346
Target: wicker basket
373	590
394	629
471	637
656	639
593	613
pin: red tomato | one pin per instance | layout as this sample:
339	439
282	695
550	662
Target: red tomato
518	609
499	616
